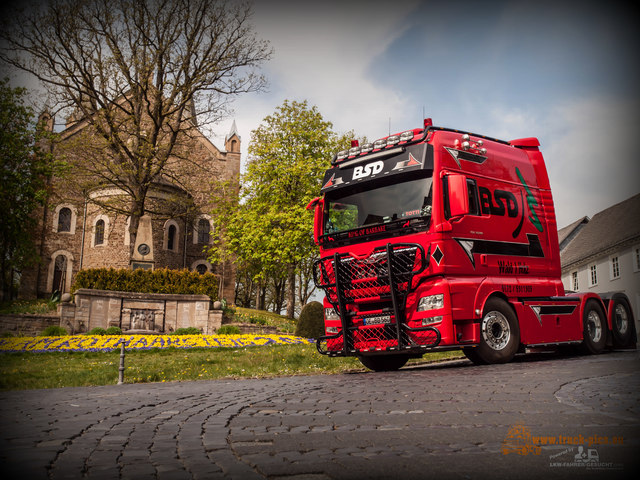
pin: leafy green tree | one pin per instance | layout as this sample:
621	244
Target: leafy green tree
23	172
268	231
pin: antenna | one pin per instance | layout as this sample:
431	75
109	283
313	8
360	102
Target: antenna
389	125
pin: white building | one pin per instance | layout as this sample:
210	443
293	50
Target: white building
602	254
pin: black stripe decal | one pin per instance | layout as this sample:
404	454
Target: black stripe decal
489	247
556	310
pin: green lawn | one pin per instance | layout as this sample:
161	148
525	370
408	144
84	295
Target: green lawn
21	371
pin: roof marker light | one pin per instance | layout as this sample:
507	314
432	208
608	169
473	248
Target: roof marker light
355	143
367	147
342	155
380	143
428	123
406	136
393	139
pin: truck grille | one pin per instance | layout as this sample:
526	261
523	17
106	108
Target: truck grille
370	294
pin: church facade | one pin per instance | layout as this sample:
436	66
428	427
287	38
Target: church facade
75	231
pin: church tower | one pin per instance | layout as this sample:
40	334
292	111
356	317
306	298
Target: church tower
232	140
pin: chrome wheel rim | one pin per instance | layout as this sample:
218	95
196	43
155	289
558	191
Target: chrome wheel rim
495	330
594	326
622	320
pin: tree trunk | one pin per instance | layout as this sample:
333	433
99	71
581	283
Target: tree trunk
278	294
291	290
136	211
260	296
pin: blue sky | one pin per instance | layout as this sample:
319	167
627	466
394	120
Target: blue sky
565	72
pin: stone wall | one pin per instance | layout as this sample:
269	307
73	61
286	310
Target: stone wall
131	312
151	312
25	325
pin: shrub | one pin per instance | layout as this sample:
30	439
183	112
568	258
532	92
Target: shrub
228	330
114	331
148	281
97	331
54	331
311	321
187	331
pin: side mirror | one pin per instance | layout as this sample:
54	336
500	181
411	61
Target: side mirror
457	195
317	204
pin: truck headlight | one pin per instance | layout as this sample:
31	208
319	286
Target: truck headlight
431	302
330	314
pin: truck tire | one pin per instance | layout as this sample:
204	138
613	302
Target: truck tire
499	333
472	354
594	328
621	323
384	363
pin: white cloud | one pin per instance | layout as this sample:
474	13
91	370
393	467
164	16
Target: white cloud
589	149
323	53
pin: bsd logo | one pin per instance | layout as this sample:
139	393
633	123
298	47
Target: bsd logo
367	170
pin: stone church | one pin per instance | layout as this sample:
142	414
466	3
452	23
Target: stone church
76	232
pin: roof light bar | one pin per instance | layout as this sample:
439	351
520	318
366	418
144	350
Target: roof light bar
383	153
379	144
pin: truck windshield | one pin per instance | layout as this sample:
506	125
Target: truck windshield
398	202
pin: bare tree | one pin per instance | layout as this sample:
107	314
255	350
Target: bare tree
136	72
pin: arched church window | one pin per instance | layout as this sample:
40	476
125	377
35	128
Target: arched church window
201	269
59	273
171	237
64	220
203	230
99	232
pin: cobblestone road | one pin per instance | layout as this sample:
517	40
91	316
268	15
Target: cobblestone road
440	421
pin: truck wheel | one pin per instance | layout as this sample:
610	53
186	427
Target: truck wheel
499	333
594	328
621	323
472	354
384	363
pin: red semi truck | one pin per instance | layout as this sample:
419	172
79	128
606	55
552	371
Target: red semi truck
436	239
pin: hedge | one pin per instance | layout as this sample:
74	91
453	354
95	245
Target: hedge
148	281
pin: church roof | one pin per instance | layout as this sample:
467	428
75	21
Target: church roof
232	132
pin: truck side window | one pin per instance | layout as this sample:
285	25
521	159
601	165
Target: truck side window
473	197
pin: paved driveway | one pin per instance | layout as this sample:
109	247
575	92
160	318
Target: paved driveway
541	416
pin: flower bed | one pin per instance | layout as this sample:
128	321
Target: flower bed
107	343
